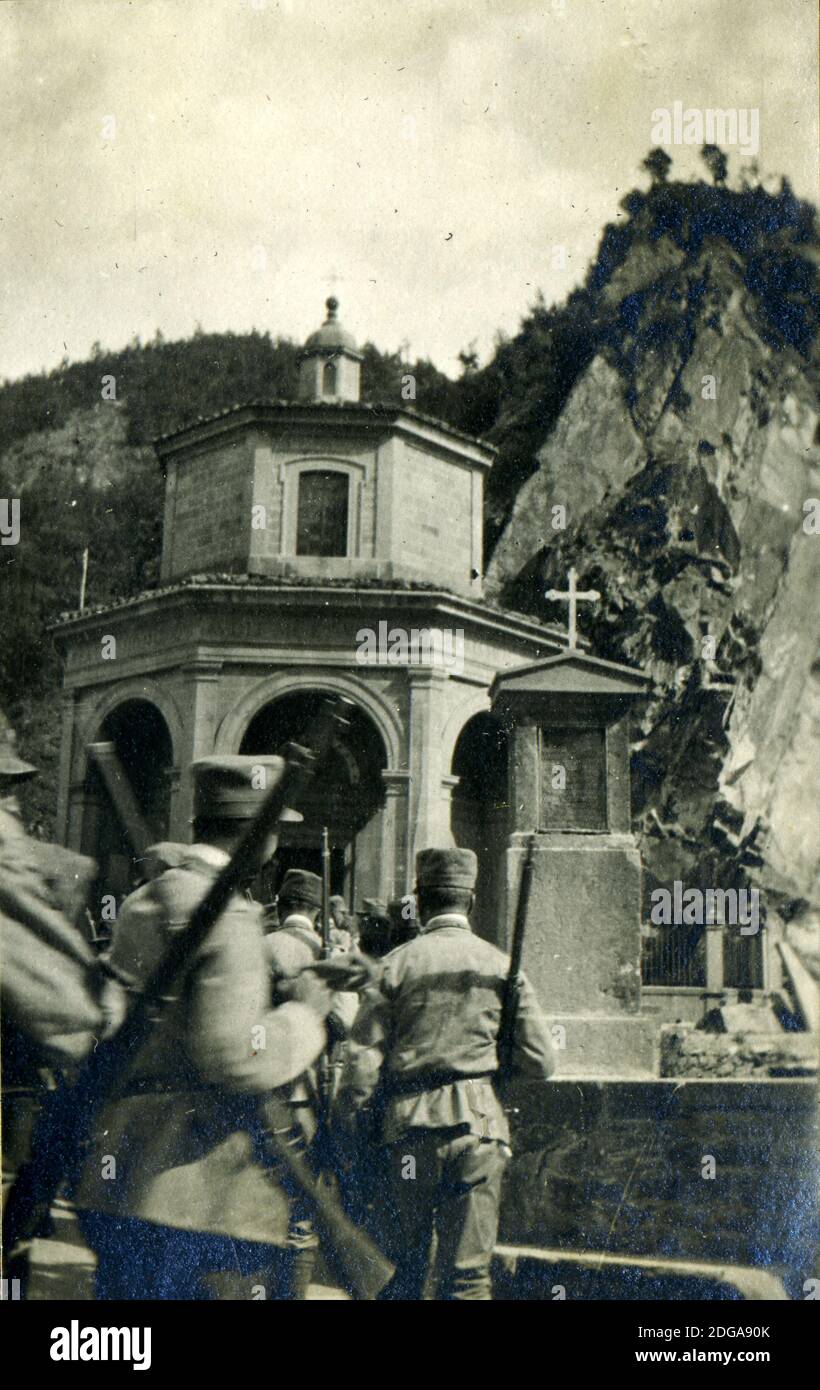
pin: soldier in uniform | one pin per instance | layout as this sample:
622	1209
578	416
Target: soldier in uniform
294	945
173	1188
429	1035
51	980
375	930
123	958
341	928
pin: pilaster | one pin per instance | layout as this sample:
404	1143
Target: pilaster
201	704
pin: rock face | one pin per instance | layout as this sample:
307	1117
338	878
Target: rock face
684	456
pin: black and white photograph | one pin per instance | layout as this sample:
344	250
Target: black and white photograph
409	668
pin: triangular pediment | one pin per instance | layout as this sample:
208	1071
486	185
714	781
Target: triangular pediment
571	672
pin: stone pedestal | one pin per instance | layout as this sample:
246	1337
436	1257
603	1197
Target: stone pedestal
582	950
567	719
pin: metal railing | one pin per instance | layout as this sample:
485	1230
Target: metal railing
716	957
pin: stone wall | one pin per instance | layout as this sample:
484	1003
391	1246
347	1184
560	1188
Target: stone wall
616	1166
208	516
433	532
692	1052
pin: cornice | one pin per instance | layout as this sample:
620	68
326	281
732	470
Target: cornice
362	416
248	595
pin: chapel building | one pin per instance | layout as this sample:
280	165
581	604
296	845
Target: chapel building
314	546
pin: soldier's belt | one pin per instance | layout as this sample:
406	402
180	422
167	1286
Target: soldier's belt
401	1085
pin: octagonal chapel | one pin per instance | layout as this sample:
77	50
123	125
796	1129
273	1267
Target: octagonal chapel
310	546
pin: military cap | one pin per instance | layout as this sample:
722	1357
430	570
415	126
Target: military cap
446	868
301	884
374	907
233	787
10	764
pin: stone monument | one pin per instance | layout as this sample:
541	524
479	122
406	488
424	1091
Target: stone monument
567	720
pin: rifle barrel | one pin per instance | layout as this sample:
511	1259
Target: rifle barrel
123	799
509	1003
325	891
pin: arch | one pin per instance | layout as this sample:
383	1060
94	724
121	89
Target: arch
143	742
92	716
347	794
475	702
330	377
479	813
480	760
236	721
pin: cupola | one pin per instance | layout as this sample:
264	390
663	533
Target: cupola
330	364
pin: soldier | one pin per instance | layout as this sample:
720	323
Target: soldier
50	977
172	1188
375	928
430	1032
51	980
341	934
293	946
126	949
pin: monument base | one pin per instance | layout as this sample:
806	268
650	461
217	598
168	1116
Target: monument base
593	1045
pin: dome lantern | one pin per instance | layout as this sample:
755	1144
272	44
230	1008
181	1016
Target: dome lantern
330	364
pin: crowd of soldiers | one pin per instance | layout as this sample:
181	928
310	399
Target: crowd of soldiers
378	1067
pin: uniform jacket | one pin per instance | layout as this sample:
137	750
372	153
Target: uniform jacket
51	979
293	946
428	1033
296	944
183	1156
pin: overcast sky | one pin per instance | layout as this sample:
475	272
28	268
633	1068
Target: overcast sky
420	159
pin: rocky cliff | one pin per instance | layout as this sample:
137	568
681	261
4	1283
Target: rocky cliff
683	456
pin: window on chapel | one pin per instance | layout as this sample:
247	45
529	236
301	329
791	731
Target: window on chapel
321	519
329	379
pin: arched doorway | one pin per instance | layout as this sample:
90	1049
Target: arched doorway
479	815
347	795
143	744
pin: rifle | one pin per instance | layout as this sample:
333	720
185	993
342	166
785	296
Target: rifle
509	1002
123	799
326	1060
70	1110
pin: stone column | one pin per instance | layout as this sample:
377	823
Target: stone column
200	695
714	958
66	759
82	820
394	873
428	810
448	785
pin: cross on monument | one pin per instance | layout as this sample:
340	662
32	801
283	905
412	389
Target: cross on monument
572	597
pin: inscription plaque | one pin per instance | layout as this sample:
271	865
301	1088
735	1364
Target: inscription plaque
581	802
